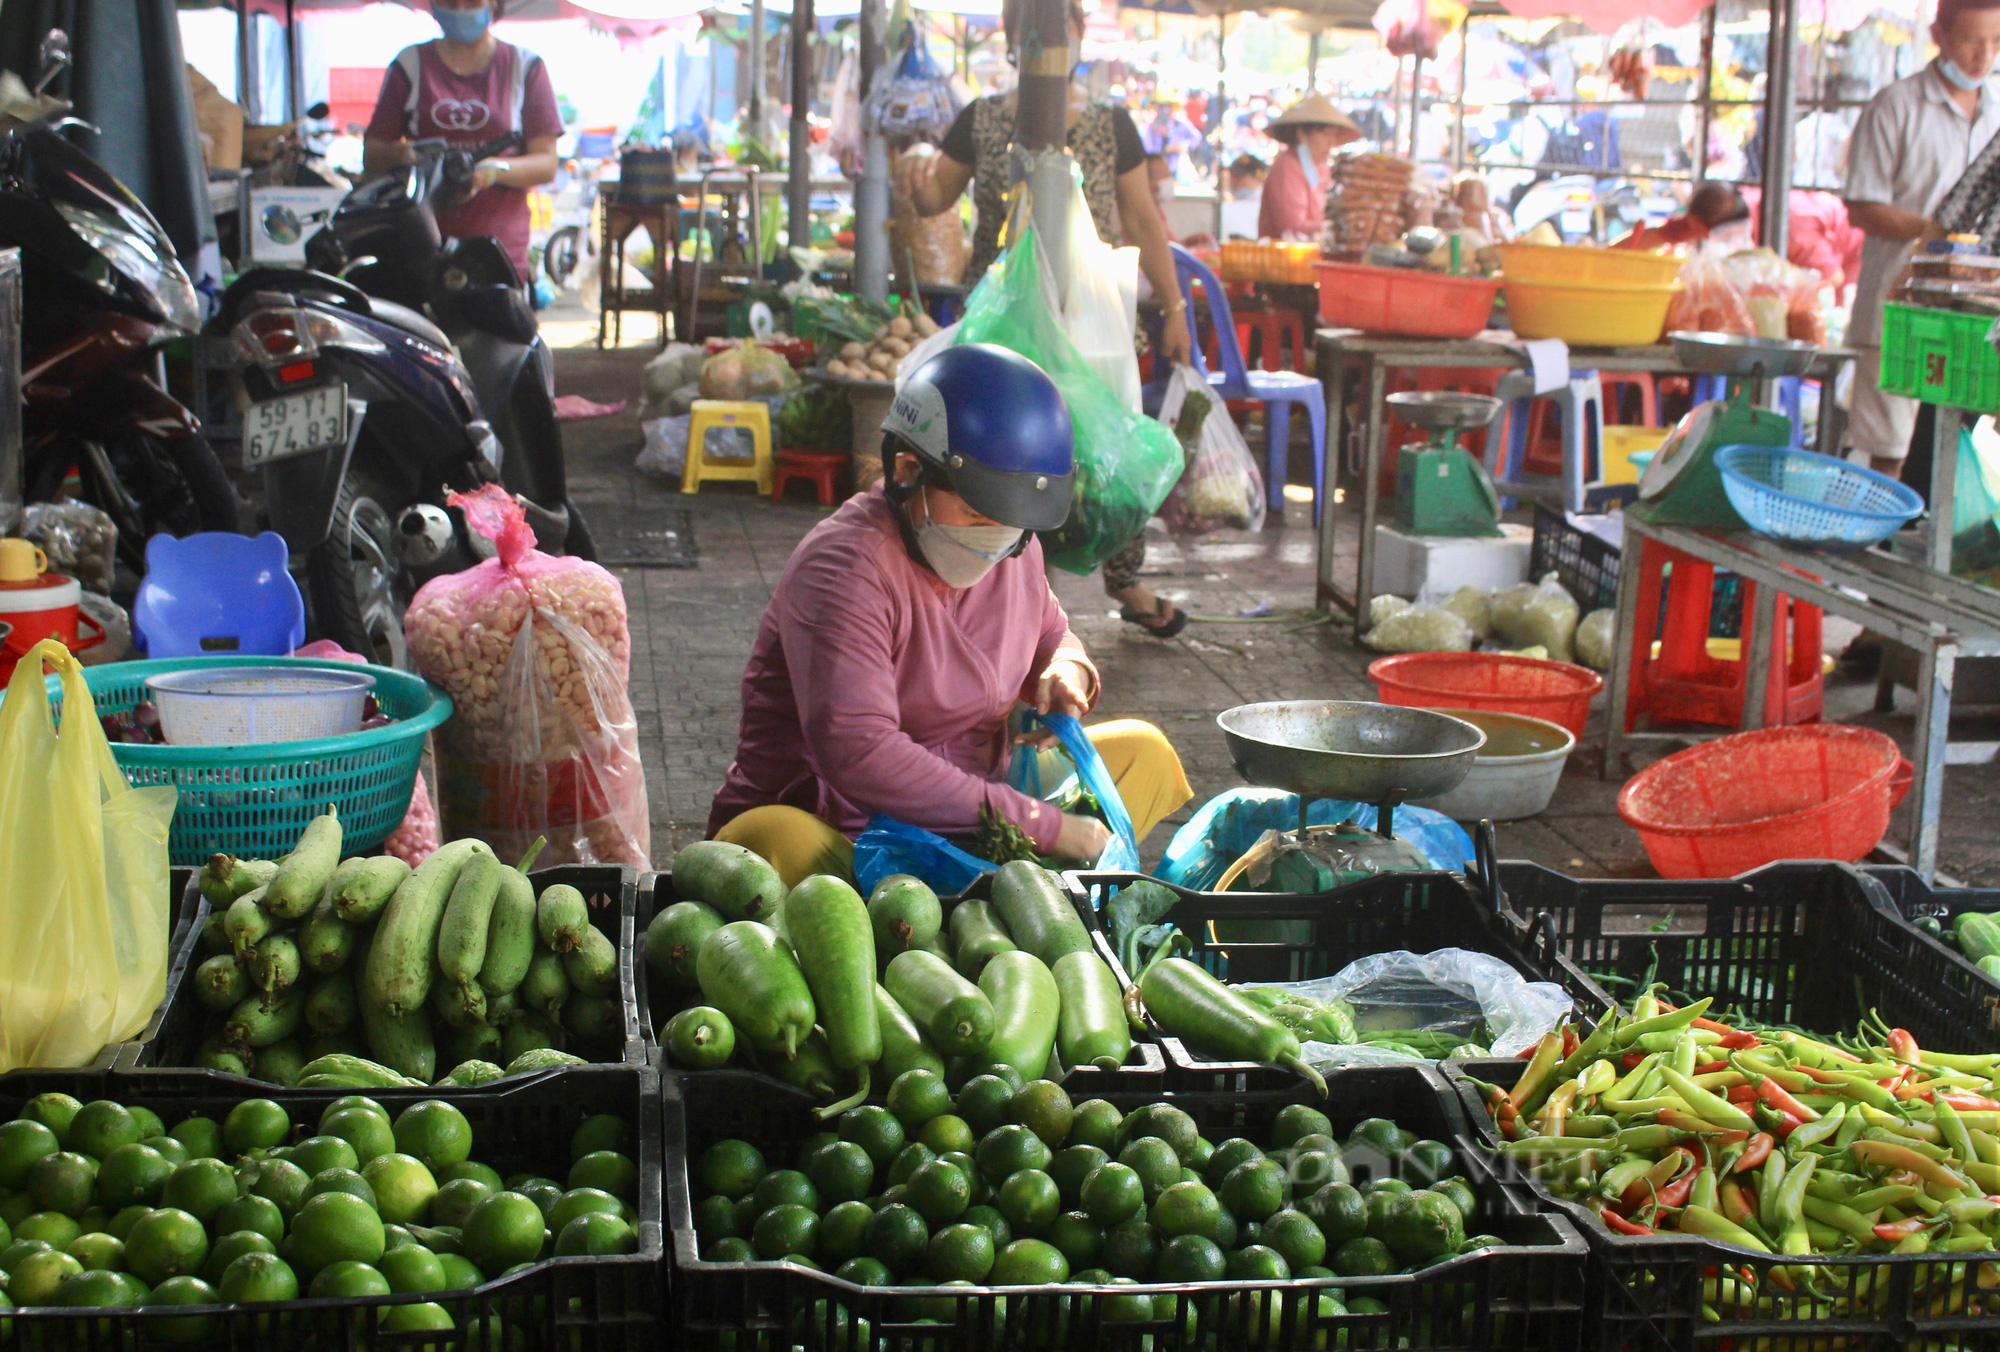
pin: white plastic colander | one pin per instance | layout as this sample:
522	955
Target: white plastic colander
242	706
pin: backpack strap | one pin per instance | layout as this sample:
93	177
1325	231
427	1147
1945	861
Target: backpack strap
410	61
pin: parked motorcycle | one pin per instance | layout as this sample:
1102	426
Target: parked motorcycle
1586	209
102	292
395	369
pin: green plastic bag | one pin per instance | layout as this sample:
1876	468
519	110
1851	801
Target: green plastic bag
1125	464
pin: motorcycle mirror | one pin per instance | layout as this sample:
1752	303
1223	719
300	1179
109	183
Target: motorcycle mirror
54	57
318	112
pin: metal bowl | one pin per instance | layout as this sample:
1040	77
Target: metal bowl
1369	753
1444	410
1735	354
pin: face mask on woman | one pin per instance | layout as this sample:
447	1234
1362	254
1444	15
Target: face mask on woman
463	25
961	555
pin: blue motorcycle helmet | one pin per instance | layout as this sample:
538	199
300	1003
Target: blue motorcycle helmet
991	426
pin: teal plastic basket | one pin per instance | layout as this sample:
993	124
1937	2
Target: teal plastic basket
253	801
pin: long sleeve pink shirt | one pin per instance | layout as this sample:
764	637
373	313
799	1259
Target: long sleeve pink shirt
1290	206
874	688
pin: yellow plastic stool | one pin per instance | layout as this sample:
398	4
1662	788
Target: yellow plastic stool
747	413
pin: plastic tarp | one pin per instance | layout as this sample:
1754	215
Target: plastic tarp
1230	823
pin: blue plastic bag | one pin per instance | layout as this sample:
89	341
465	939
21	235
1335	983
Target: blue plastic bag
889	846
1230	823
1025	774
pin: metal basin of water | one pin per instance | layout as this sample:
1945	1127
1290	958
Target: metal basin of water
1352	749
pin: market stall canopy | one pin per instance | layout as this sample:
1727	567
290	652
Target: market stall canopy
1608	16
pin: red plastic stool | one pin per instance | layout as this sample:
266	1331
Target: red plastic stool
1684	684
1276	327
1642	381
819	468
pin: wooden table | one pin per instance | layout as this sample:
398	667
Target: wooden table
1374	356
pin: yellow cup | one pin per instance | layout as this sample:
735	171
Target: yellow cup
21	561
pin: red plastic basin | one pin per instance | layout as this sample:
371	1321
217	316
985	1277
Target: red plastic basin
1557	691
1816	791
1404	300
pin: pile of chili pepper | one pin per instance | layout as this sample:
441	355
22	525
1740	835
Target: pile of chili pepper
1668	1121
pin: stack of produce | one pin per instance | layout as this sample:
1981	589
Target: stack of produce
1976	934
877	358
812	984
106	1207
367	973
1767	1139
1370	200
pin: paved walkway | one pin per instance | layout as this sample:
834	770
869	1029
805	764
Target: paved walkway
692	630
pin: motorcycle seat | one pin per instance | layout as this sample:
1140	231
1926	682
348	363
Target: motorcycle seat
410	321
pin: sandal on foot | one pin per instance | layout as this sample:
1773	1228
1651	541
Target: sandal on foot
1175	619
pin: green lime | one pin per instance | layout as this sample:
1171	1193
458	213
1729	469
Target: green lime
460	1272
1028	1262
1112	1194
22	1142
88	1290
584	1201
1133	1309
983	1102
785	1229
403	1188
435	1132
1154	1160
1189	1258
843	1230
1258	1263
967	1166
347	1102
731	1168
1461	1194
194	1328
601	1131
420	1318
782	1186
368	1131
1080	1238
1227	1156
250	1213
1043	1108
340	1180
98	1252
345	1279
961	1253
1296	1238
917	1096
940	1192
1030	1201
1204	1151
36	1277
945	1133
232	1246
1164	1122
1131	1248
1071	1165
50	1227
714	1218
11	1256
1423	1226
1314	1169
62	1182
617	1174
1474	1243
1255	1189
201	1187
324	1152
1096	1122
1000	1070
101	1127
54	1111
1380	1135
257	1277
730	1250
282	1182
166	1243
338	1226
545	1195
992	1222
897	1238
506	1229
148	1120
1425	1162
812	1146
1008	1149
911	1158
1296	1120
94	1220
1380	1202
596	1235
410	1269
202	1137
875	1130
255	1124
866	1272
1186	1209
123	1220
1226	1232
841	1171
484	1173
132	1175
1363	1257
15	1207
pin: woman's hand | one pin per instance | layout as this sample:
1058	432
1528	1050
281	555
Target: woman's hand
1082	838
1175	345
1065	688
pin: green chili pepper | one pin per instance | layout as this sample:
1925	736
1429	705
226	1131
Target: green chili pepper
1622	1176
1698	1220
1591	1124
1708	1106
1768	1183
1626	1087
1856	1225
1910	1143
1955	1133
1600	1076
1703	1193
1812	1133
1789	1207
1851	1127
1659	1023
1652	1137
1888	1195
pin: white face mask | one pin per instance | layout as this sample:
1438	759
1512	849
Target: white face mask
1949	69
961	555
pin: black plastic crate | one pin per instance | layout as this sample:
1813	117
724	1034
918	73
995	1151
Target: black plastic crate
1802	943
559	1305
1645	1292
1527	1295
656	893
164	1064
1905	896
1316	935
1588	568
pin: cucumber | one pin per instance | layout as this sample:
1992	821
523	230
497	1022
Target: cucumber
954	1012
221	983
673	939
400	1041
1039	915
754	979
280	1063
470	1073
1978	935
976	935
835	945
531	1034
255	1024
458	1006
592	966
461	936
367	1074
593	1020
303	877
510	935
245	922
904	1046
546	985
403	956
330	1006
225	878
541	1058
905	914
939	946
811	1070
273	965
326	942
1990	966
459	1045
1210	1017
361	887
1091	1028
1024	1000
561	917
736	882
700	1037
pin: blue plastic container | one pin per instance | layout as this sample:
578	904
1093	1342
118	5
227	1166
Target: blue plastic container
1814	501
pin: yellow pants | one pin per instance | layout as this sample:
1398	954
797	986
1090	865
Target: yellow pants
1141	761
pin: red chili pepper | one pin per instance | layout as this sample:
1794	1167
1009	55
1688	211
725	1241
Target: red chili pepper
1712	1026
1741	1093
1755	1152
1780	1098
1569	1040
1897	1231
1622	1226
1712	1068
1630	1061
1904	1045
1675	1194
1740	1041
1967	1103
1787	1126
1737	1201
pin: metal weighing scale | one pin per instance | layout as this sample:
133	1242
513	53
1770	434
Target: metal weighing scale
1372	753
1681	485
1441	488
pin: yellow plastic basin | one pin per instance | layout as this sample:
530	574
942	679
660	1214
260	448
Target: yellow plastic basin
1567	263
1587	314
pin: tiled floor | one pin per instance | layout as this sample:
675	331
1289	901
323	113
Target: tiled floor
692	630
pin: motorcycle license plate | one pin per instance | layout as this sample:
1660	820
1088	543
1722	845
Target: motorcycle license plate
311	420
1576	222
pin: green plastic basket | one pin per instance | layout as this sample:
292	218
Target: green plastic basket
253	801
1940	357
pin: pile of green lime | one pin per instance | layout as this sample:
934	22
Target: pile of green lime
1010	1184
102	1205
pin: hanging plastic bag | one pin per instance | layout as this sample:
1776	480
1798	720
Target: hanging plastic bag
1231	822
1125	464
889	846
843	140
535	653
936	245
916	99
1709	300
1101	305
1221	485
1417	27
84	899
1025	774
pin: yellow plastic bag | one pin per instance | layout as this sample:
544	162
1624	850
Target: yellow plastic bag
83	878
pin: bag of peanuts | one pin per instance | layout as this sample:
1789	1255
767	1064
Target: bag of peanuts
535	653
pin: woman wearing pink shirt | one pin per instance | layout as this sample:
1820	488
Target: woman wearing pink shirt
1294	202
909	625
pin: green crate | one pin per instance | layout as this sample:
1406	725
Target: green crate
1940	357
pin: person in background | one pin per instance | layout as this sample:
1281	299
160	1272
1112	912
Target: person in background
1913	142
469	87
1246	177
1294	201
1713	206
1818	234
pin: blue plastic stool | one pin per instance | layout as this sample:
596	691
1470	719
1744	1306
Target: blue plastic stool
1581	404
218	592
1789	399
